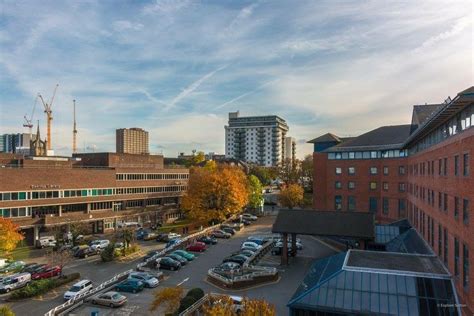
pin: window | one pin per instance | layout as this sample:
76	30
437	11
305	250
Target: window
401	187
338	202
338	185
440	166
385	171
465	211
401	170
465	165
445	202
373	154
373	170
351	185
351	203
373	204
456	257
440	200
385	205
338	170
445	257
465	265
456	165
401	207
373	185
456	207
351	171
445	167
385	186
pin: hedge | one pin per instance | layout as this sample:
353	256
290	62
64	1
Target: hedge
40	287
196	293
185	303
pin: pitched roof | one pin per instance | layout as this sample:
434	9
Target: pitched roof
328	137
388	137
409	242
325	223
422	112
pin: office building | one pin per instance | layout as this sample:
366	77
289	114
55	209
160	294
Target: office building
16	143
421	171
256	139
101	190
132	141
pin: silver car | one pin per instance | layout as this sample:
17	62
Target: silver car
148	279
111	299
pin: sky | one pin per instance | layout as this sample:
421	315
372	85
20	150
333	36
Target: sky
177	67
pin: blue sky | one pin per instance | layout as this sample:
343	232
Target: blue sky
176	68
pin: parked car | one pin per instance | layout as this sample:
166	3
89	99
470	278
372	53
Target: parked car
277	251
187	255
130	285
251	244
14	282
48	273
75	250
168	263
178	258
299	246
46	241
119	245
229	230
100	244
149	280
220	234
253	249
145	235
173	242
14	266
111	299
86	252
162	237
247	253
244	221
249	216
257	240
78	288
151	254
197	247
208	240
240	259
229	267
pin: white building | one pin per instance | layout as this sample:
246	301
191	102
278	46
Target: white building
290	149
256	139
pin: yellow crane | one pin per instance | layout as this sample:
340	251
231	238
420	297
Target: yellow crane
74	130
49	114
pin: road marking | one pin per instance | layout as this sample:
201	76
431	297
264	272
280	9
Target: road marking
185	280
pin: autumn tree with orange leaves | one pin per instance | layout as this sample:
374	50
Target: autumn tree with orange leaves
168	297
224	305
10	235
215	193
291	196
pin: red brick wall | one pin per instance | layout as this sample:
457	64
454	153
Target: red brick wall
455	186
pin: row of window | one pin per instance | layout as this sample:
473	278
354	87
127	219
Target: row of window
426	226
372	185
38	195
372	170
15	212
151	176
375	154
460	166
373	204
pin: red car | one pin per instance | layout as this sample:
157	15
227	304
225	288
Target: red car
48	273
197	247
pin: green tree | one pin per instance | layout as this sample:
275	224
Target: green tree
291	196
306	173
255	192
264	174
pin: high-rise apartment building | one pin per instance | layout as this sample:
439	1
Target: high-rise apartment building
256	139
16	143
290	149
132	141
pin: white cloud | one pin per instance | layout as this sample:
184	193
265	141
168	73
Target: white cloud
165	6
124	25
457	28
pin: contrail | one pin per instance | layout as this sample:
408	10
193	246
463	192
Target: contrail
245	94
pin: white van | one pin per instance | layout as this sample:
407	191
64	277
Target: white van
46	241
80	287
14	282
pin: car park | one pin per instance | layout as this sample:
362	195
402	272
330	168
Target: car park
178	258
100	244
208	240
145	235
173	242
240	259
149	280
228	230
253	249
14	266
35	268
14	282
188	256
151	254
247	253
75	250
299	246
78	288
130	285
86	252
229	267
277	251
257	240
249	216
47	273
251	244
111	299
197	247
46	241
168	263
220	234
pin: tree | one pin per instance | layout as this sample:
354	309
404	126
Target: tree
257	308
265	175
127	236
306	173
291	196
223	305
288	171
219	306
198	158
215	194
5	310
10	235
255	192
59	258
76	229
169	297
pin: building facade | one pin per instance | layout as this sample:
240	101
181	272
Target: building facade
101	190
16	143
290	149
256	139
132	141
422	171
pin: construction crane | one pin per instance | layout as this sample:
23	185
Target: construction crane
29	120
74	130
49	115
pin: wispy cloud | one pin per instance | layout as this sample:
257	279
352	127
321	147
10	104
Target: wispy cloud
165	6
124	25
245	94
458	27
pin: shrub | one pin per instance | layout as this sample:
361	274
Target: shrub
67	278
108	253
40	287
132	249
185	303
6	311
196	293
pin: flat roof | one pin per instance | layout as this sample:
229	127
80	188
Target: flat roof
325	223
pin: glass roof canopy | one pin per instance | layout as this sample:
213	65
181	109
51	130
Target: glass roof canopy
328	286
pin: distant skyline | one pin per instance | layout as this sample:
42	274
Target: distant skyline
176	68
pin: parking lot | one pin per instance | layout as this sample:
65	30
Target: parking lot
194	274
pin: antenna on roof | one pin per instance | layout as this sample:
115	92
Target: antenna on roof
448	100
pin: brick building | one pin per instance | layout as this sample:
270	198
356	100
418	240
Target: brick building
422	171
100	189
131	141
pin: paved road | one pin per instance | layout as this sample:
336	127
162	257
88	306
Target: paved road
194	274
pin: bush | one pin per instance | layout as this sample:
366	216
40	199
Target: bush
132	249
67	278
40	287
185	303
6	311
108	253
196	293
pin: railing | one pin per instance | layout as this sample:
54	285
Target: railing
79	299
